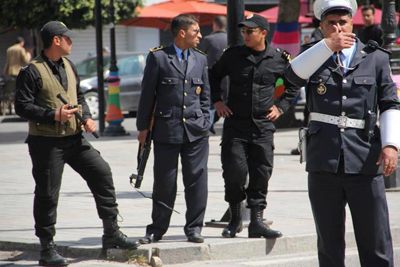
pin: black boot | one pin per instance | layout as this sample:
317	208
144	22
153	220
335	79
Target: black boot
49	255
257	228
114	238
235	223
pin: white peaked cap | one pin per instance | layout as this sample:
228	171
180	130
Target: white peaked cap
322	6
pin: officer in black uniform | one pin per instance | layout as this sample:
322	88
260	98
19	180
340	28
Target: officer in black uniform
247	142
55	139
348	83
176	79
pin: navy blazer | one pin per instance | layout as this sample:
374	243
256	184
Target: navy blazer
183	98
368	87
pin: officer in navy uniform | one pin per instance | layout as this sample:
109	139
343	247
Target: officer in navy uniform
176	79
347	154
247	141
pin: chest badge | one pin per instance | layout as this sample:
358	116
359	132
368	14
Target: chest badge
321	89
198	90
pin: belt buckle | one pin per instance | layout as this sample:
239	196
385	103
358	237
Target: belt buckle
342	123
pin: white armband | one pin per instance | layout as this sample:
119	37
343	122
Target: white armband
305	64
390	128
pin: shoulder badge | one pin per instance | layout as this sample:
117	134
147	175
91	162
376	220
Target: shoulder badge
157	48
286	55
198	50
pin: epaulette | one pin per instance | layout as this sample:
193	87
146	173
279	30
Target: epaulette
229	48
286	55
157	48
198	50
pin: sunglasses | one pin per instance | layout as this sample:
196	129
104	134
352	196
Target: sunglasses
248	31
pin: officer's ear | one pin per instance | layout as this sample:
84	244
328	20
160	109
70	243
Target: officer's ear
182	33
264	33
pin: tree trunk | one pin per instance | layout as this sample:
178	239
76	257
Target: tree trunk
289	10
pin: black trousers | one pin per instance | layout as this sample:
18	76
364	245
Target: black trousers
252	155
329	193
49	155
194	158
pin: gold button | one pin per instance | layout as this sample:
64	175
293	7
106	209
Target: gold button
160	112
184	107
343	113
184	119
185	94
185	81
169	81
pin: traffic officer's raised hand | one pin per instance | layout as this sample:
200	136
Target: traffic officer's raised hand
339	40
222	109
389	159
64	114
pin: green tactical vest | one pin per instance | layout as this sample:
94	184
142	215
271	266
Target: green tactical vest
47	98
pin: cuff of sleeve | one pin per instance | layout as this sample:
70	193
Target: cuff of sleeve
51	116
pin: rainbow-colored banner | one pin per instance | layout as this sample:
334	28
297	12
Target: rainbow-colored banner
287	37
396	79
114	113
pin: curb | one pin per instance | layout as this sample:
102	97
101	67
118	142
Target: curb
183	252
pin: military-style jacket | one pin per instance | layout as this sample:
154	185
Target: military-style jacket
368	87
183	98
252	85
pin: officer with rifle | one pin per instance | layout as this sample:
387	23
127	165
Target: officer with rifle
176	76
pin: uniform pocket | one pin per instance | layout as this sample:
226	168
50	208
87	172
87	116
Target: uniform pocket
197	81
163	113
198	113
169	80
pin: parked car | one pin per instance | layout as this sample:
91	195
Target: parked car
130	70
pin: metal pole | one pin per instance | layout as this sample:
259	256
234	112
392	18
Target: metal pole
388	24
235	14
114	114
99	53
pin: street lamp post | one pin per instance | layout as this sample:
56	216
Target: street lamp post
114	114
235	14
99	57
388	25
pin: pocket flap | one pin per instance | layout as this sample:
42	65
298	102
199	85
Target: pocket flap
167	80
313	129
364	80
197	81
165	113
198	112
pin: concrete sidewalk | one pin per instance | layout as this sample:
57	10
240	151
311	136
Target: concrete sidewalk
79	229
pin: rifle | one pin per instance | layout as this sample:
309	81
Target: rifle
143	153
76	114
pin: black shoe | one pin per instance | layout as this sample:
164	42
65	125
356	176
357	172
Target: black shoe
49	255
235	223
257	228
114	238
150	238
119	240
195	238
295	152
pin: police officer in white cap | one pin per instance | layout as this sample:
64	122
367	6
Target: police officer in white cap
348	155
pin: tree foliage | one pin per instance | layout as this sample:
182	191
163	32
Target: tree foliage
78	14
